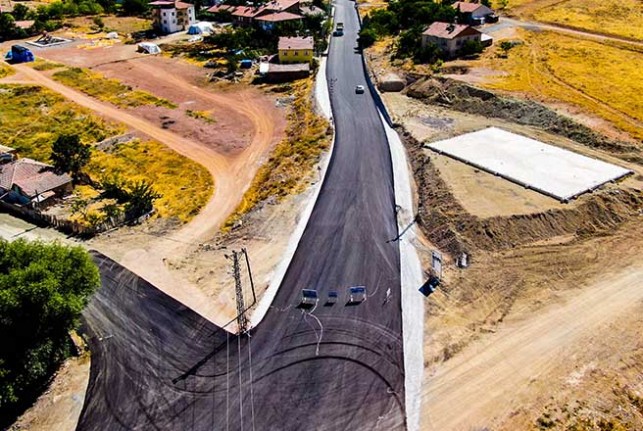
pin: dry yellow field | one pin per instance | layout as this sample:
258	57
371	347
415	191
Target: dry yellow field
618	17
601	79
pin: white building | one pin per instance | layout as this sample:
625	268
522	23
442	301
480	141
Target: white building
172	16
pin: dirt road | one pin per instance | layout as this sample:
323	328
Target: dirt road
572	31
232	175
485	383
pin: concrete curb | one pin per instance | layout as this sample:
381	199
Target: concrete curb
411	280
322	97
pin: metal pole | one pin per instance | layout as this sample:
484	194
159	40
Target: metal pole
252	284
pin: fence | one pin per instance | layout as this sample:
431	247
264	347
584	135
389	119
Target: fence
70	227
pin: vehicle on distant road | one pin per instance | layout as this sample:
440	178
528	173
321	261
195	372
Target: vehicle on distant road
339	29
356	294
308	297
359	89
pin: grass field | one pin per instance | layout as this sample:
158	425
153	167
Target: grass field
617	17
31	118
601	79
5	70
108	90
293	158
43	65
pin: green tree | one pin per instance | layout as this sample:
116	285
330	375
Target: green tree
68	154
471	47
134	7
43	289
486	3
141	198
20	12
367	37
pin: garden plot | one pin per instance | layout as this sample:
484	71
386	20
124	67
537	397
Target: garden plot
550	170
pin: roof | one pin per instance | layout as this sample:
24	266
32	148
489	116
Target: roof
466	7
296	43
26	24
279	16
446	30
32	177
288	68
222	8
5	149
176	4
247	11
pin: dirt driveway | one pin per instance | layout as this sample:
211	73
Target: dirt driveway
259	120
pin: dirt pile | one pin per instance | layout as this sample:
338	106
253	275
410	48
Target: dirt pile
448	225
462	97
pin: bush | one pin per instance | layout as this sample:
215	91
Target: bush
367	37
134	7
471	47
43	289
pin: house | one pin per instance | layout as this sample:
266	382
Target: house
28	182
172	16
449	37
270	21
285	72
266	15
474	13
295	49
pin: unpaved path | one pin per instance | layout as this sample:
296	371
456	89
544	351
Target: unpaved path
485	381
572	31
232	175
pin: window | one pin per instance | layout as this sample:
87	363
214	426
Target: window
164	13
285	53
305	52
164	21
172	13
295	54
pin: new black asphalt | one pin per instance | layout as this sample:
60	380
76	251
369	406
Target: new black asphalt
157	365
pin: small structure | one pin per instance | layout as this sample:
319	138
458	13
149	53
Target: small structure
201	28
295	49
450	37
7	154
172	16
28	182
46	40
19	54
149	48
284	72
474	13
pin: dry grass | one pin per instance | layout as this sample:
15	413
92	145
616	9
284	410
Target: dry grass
42	65
601	79
201	115
293	158
618	17
108	90
5	70
184	184
32	117
121	24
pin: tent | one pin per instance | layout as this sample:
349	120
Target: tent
149	48
203	28
19	54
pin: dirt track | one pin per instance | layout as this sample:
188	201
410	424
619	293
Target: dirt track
484	382
232	176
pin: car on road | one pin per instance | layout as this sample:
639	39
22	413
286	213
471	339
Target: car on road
332	297
359	89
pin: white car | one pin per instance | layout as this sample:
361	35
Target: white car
359	89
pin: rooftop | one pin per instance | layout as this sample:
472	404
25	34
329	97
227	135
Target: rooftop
466	7
296	43
32	177
278	17
447	30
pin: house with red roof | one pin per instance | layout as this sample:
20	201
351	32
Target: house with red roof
450	37
474	13
172	16
31	183
267	15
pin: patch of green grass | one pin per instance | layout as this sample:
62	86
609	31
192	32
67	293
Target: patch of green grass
43	65
5	70
185	185
108	90
31	118
201	115
292	159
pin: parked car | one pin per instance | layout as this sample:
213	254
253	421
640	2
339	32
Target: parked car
308	297
359	89
356	294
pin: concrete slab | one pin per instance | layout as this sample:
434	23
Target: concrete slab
550	170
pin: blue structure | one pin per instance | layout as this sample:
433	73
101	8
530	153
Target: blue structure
246	64
19	54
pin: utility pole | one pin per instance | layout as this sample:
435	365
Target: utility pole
242	321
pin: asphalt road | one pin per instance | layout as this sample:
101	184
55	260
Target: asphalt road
158	365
